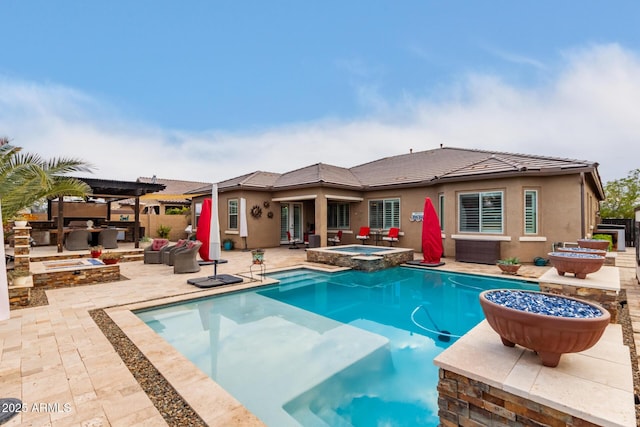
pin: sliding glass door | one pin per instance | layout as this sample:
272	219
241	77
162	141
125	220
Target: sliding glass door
291	221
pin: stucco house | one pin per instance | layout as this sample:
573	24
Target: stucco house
515	204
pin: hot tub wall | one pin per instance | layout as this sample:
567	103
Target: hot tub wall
365	263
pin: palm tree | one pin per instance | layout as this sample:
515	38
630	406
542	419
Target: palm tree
26	178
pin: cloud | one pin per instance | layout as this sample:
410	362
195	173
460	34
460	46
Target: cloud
589	109
515	58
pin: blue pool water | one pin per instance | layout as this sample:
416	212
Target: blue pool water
360	249
331	349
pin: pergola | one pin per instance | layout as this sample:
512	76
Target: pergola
111	191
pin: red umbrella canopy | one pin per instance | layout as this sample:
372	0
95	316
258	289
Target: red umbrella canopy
202	232
431	235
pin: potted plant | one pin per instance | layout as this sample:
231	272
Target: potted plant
228	244
20	220
163	231
110	257
96	251
19	277
509	265
258	256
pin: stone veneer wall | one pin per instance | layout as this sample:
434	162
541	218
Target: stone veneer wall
21	295
607	298
85	276
465	402
372	263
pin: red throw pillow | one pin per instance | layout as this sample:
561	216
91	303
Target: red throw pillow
181	243
158	244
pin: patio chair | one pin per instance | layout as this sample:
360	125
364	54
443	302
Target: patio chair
293	242
363	234
185	259
108	238
392	235
169	251
153	252
77	240
335	239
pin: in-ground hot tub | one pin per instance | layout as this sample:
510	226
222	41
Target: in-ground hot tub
361	257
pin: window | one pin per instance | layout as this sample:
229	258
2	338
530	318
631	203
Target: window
233	213
384	214
530	212
337	215
441	211
198	212
480	212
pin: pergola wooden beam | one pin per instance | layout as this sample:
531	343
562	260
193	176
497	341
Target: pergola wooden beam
111	191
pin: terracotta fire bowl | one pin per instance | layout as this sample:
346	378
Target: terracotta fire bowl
594	244
551	326
580	264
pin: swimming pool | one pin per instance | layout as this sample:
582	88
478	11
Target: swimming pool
337	349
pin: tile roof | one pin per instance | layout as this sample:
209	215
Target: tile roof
256	180
174	191
320	173
449	163
415	168
173	186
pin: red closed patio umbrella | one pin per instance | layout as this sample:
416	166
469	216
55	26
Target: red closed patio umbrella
431	236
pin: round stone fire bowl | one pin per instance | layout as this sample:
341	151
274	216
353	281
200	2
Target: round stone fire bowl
580	264
599	252
548	324
594	244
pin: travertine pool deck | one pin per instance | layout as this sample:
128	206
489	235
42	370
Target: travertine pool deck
607	278
56	354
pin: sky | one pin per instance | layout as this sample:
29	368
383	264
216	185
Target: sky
210	90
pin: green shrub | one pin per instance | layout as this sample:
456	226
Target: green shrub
509	261
163	231
184	210
608	237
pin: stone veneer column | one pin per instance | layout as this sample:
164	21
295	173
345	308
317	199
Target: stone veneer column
21	295
22	247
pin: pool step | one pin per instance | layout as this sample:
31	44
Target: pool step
301	282
306	417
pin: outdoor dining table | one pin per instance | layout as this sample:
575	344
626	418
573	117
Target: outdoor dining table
377	235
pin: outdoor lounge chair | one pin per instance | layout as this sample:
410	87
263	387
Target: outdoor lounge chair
169	251
392	236
363	234
77	240
108	238
335	239
185	259
153	252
